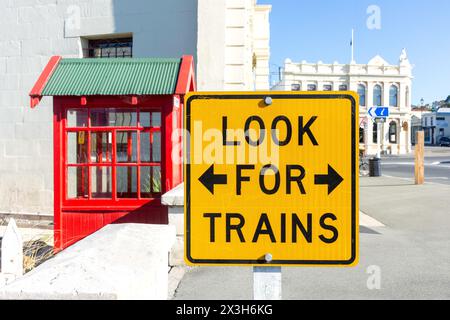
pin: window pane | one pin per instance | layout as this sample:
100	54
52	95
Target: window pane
156	179
343	87
145	147
126	142
101	147
77	182
101	117
144	119
126	182
101	184
150	181
156	147
77	118
77	147
155	144
377	93
327	87
295	87
156	119
362	95
393	96
124	52
312	87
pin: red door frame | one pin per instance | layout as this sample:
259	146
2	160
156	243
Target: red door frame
76	219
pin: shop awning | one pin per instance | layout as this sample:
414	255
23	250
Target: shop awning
114	77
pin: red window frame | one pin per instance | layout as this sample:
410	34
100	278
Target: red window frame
115	201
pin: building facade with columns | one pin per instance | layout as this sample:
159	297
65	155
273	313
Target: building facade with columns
378	84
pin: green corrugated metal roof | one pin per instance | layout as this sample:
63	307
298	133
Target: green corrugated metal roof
117	76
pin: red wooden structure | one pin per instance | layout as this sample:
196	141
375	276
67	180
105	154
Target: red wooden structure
115	151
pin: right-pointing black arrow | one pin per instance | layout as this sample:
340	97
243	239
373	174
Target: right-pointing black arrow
332	179
209	179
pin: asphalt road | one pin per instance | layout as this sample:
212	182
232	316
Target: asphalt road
437	169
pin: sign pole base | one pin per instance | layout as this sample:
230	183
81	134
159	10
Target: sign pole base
266	283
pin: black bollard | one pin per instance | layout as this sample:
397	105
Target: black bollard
375	167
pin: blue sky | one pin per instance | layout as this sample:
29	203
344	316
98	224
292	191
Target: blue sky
316	30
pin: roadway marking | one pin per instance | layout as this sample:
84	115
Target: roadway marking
440	164
369	222
427	182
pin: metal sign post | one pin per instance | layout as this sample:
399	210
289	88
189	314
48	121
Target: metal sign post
267	283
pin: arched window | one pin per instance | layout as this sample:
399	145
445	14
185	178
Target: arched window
362	95
377	96
393	132
393	96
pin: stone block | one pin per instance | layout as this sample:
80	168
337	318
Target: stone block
24	65
9	18
237	4
235	55
11	100
176	219
36	131
21	148
235	37
235	74
66	47
37	14
2	65
176	256
236	18
8	83
7	132
36	47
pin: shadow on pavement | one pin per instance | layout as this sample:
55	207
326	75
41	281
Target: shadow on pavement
367	230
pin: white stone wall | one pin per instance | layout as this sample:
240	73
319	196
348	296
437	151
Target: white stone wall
222	35
31	31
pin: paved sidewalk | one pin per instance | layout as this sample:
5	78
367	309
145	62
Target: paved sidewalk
412	252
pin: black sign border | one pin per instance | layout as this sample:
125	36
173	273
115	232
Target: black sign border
187	173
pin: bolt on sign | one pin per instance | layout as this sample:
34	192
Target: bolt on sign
271	175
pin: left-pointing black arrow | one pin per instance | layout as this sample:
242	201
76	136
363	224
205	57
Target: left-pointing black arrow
332	179
209	179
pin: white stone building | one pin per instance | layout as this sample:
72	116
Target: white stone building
378	84
229	40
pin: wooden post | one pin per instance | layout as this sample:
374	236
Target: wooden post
419	168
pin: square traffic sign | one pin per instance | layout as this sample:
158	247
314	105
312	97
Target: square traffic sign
271	179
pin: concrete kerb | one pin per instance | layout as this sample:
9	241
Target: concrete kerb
104	266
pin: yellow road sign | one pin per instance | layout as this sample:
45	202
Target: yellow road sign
271	179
